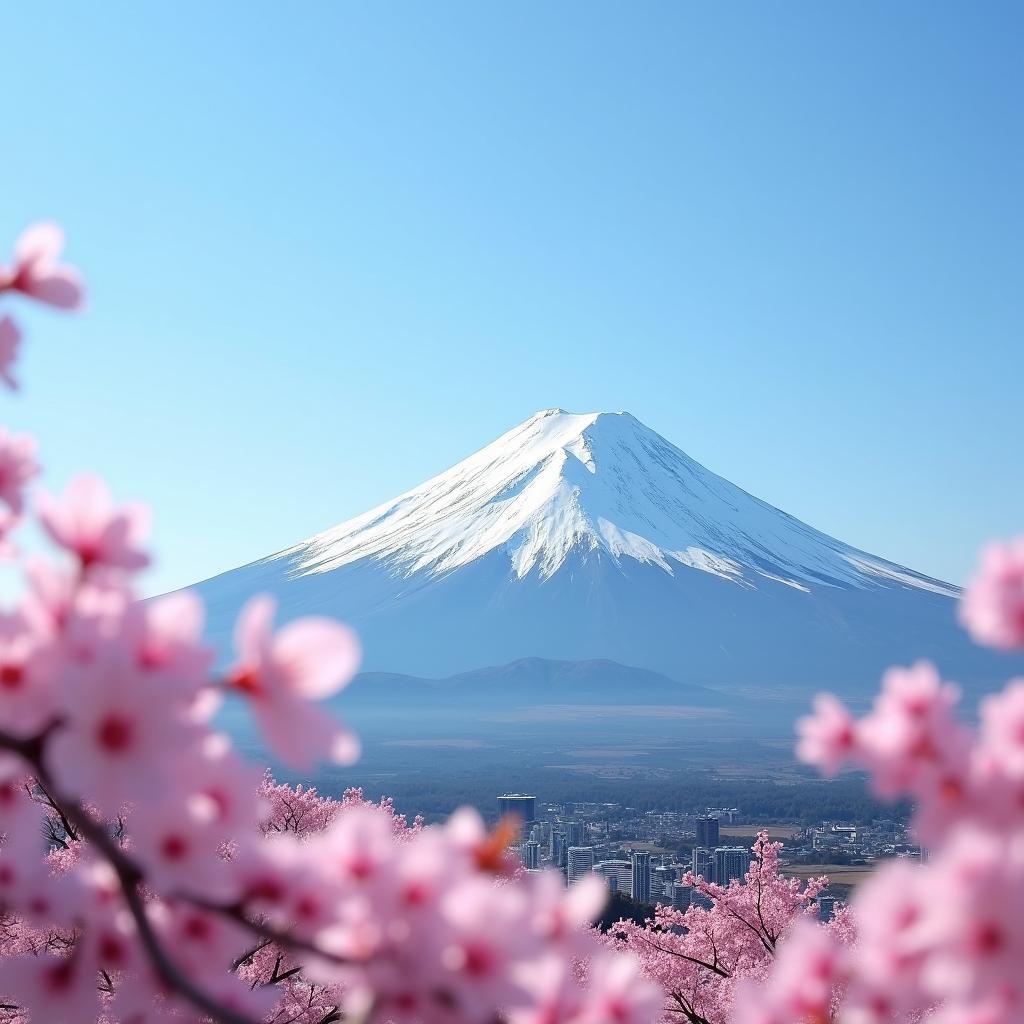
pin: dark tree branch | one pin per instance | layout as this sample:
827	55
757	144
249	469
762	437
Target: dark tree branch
129	878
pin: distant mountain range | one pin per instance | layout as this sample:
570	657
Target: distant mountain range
591	539
532	682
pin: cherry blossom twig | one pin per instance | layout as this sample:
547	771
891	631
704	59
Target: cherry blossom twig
129	877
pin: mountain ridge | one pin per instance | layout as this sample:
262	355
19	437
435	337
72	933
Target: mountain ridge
531	679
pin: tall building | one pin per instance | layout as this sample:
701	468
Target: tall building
707	831
681	895
641	891
530	855
703	863
558	848
619	874
662	880
519	804
579	861
575	833
540	832
730	862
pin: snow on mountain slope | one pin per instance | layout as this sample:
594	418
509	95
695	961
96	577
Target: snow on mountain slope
580	537
560	483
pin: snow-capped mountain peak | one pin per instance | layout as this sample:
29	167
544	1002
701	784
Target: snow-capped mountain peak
576	537
561	487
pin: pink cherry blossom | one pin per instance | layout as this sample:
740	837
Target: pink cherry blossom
265	875
560	914
281	673
28	666
178	843
17	467
484	939
357	848
828	737
165	638
974	935
299	809
890	910
19	814
556	996
99	620
110	942
9	522
204	943
22	871
120	736
51	591
912	737
801	986
992	608
10	343
221	788
37	272
1002	730
59	989
85	522
619	993
422	873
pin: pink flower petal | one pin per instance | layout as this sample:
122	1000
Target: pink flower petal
10	342
39	243
253	628
61	287
317	655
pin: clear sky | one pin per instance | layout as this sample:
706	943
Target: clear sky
335	247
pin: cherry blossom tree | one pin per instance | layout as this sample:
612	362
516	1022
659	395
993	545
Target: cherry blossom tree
299	810
303	811
146	873
698	955
941	941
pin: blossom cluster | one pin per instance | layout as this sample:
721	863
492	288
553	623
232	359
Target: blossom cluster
941	941
35	272
174	884
302	811
726	937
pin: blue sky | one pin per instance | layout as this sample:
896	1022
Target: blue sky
333	248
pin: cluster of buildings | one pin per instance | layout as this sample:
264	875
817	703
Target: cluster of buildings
835	843
646	855
581	839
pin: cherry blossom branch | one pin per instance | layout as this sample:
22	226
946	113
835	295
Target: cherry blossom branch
236	912
129	878
55	807
759	856
247	956
686	1009
682	956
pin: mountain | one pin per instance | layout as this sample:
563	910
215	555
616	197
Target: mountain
531	683
582	537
